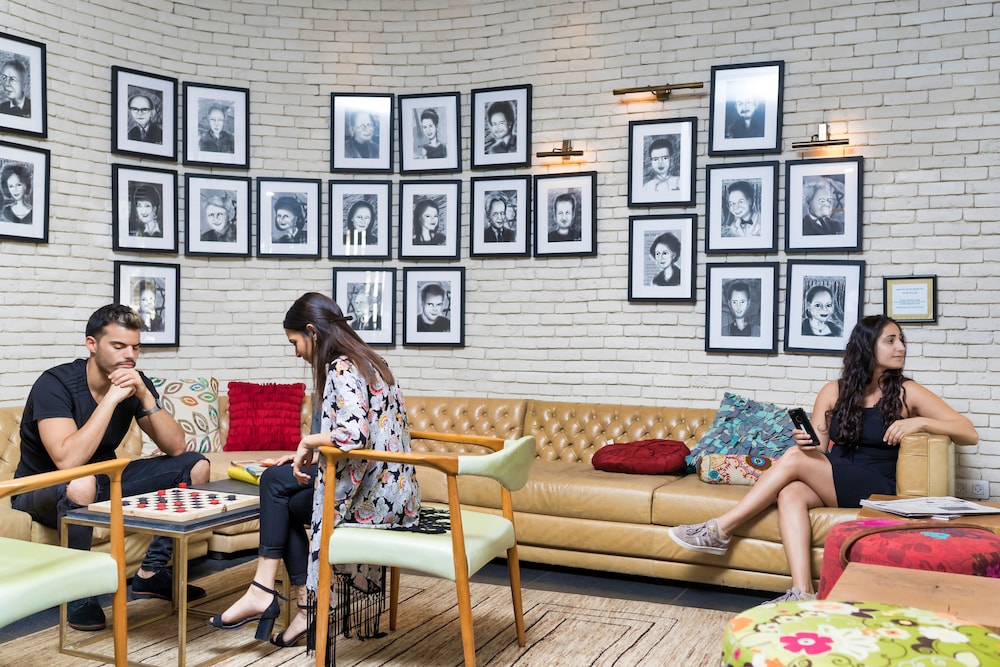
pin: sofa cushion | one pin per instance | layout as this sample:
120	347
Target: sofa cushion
732	468
264	416
745	426
194	403
646	457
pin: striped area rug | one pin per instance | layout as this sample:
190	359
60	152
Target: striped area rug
565	630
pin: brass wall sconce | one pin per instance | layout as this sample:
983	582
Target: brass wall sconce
661	93
820	140
566	151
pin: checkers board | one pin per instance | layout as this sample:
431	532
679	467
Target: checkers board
179	504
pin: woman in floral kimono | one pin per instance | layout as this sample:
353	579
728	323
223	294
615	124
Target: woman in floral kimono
362	408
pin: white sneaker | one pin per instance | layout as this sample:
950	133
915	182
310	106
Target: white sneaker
794	594
705	537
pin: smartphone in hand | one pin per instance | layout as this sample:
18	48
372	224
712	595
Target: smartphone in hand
798	416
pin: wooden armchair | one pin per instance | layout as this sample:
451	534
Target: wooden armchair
475	538
34	576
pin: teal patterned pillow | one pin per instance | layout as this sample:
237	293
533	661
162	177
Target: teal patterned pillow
745	427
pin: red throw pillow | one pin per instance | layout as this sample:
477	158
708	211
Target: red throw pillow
264	416
646	457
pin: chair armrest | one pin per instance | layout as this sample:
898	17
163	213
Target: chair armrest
444	463
112	468
926	466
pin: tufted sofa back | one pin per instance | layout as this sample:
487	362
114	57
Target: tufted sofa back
495	417
572	432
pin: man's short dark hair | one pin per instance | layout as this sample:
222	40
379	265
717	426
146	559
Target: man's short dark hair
738	286
658	143
431	289
113	313
501	107
567	197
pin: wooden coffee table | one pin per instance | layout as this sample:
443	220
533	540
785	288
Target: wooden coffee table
962	595
988	521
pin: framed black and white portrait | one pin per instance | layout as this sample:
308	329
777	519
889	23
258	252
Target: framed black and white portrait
746	108
429	133
566	214
501	127
24	193
153	291
218	215
499	224
288	217
368	296
361	132
741	307
359	219
823	300
144	208
741	208
823	204
143	114
428	219
434	306
661	162
216	125
662	255
22	86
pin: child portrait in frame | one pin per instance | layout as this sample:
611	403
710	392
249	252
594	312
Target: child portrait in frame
662	162
662	257
22	86
359	219
369	298
741	307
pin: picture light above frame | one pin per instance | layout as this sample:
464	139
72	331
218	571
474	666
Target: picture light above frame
660	92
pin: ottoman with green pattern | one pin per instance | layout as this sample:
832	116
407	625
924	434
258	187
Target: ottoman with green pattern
816	633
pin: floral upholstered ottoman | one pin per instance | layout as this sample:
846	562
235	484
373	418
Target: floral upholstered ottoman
921	545
822	633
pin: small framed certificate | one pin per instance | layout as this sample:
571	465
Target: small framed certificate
910	298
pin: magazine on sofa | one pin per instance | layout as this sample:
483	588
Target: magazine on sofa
248	471
943	506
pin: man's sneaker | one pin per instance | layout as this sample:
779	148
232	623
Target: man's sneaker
161	586
86	615
794	594
704	537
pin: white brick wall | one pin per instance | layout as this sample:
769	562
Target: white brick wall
914	86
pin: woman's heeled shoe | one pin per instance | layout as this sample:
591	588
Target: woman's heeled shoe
265	620
279	639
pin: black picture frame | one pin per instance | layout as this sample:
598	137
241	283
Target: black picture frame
218	215
154	291
824	208
741	293
661	162
746	108
371	150
443	289
831	289
419	117
24	110
143	114
288	214
216	125
360	219
368	296
557	195
144	209
419	200
24	193
490	150
493	237
910	299
741	208
662	260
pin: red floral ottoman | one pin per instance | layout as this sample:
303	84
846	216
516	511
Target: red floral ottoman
919	545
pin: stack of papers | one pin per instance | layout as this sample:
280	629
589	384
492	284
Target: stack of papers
935	506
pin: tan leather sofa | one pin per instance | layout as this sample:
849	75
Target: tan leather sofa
570	514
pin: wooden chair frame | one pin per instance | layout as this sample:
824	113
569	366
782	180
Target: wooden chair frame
113	469
449	465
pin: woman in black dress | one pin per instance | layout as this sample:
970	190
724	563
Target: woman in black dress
866	413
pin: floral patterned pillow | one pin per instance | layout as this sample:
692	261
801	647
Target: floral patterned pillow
732	468
746	427
194	403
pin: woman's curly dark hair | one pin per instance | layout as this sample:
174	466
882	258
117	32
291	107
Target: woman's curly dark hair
859	364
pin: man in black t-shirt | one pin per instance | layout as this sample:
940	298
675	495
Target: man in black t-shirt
78	413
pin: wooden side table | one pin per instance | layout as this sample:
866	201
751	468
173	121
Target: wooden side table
962	595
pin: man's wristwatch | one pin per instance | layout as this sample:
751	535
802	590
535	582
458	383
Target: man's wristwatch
147	412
